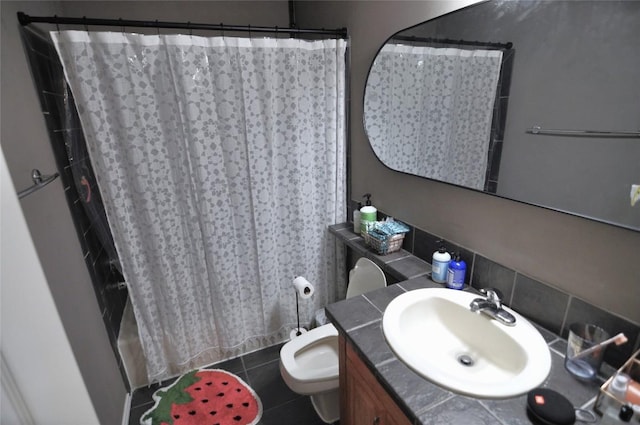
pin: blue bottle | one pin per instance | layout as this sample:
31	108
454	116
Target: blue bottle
456	272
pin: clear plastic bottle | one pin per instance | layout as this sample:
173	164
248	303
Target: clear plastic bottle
356	219
613	414
618	386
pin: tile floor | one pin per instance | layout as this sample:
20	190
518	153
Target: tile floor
260	370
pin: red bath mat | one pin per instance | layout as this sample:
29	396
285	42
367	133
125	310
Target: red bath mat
205	397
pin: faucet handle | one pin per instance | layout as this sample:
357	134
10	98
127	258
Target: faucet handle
494	296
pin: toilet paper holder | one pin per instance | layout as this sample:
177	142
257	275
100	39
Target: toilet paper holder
303	288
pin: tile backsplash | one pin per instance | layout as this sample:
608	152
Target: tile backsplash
542	303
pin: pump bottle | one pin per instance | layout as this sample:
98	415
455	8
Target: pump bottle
368	215
456	272
440	264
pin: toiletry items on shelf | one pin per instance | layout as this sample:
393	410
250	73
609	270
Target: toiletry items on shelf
619	396
618	386
368	215
456	272
356	218
386	236
617	417
621	388
440	264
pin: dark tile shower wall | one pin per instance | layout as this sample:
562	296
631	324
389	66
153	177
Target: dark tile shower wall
540	302
498	121
76	173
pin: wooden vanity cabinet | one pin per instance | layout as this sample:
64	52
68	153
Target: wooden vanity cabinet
363	401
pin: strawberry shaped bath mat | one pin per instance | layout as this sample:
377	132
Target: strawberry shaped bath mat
205	397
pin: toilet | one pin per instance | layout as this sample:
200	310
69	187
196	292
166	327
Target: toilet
309	362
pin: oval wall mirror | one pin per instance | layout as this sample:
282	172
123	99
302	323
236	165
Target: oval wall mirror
535	101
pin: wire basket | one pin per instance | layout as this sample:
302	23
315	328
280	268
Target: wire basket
387	246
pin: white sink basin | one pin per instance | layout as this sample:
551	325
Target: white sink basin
434	332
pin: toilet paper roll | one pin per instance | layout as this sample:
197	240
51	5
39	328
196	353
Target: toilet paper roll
303	286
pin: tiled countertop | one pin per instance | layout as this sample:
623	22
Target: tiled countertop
359	319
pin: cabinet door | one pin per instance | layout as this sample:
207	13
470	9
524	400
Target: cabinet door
364	408
366	402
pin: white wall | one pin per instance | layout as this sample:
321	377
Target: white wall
35	350
594	261
26	145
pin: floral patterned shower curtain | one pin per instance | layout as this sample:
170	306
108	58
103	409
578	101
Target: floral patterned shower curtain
432	108
221	162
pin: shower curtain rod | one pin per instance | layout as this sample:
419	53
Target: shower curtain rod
25	19
413	38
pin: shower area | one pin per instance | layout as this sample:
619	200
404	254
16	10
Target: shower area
201	173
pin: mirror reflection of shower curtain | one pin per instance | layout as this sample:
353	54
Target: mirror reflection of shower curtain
221	162
433	108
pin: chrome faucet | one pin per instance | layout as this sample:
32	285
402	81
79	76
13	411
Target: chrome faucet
492	307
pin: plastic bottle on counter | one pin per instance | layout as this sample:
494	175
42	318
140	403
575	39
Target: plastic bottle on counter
356	219
618	386
368	215
440	264
456	273
611	409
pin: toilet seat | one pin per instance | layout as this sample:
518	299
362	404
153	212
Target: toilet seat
309	363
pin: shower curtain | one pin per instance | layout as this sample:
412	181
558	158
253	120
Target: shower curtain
433	109
221	162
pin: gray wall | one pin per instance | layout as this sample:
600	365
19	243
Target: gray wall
575	68
594	261
26	146
256	13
